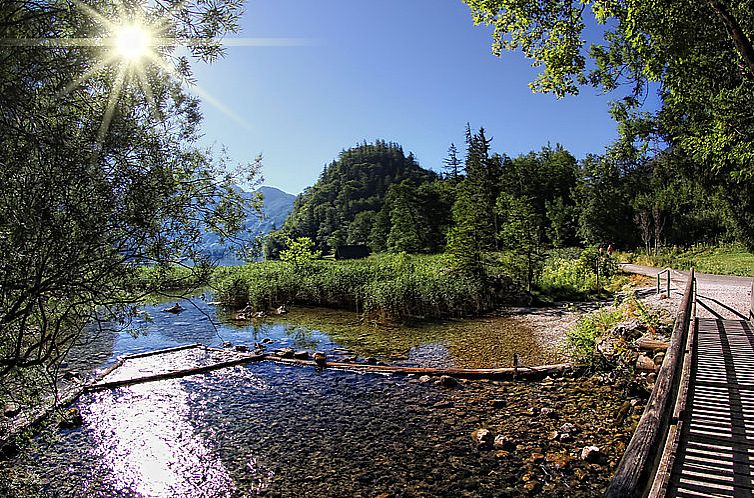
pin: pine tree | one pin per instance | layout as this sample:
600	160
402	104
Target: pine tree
452	164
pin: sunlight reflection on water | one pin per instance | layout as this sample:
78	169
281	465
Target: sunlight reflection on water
145	436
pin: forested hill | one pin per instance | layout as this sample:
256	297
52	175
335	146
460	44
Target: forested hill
346	204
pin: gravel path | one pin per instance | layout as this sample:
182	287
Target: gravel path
718	296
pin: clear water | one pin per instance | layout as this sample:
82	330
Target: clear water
275	430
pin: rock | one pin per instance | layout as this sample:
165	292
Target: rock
242	348
267	340
72	419
285	353
498	403
645	364
531	412
280	310
425	378
259	314
500	454
227	344
531	487
11	409
553	435
651	378
549	412
71	375
658	358
559	460
301	355
370	360
176	308
592	454
568	428
320	358
504	443
565	437
448	404
447	381
535	458
240	317
482	437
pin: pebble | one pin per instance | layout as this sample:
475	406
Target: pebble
482	437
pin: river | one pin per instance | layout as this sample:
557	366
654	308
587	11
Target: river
267	429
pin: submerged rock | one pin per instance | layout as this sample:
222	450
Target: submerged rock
11	409
176	308
71	419
301	355
448	381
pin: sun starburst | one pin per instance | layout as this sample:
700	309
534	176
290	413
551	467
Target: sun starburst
135	42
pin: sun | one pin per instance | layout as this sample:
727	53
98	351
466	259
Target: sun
132	42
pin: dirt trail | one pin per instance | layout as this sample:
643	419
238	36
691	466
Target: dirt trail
718	296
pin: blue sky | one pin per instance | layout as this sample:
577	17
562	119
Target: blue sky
409	71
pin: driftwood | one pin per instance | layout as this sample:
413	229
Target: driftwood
175	374
648	344
537	372
638	467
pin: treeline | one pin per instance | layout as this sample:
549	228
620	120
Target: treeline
375	195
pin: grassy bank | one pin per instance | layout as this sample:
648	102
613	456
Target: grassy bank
721	260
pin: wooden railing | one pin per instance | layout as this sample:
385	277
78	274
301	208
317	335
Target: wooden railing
637	469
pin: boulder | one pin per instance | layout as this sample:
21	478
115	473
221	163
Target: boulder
242	348
645	364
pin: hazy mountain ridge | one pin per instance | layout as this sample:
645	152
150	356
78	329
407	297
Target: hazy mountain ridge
277	205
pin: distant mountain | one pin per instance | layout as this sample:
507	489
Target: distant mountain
277	205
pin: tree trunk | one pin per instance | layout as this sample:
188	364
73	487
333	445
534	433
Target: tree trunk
738	37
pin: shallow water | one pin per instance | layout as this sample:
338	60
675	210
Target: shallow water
276	430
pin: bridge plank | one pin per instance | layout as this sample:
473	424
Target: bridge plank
716	450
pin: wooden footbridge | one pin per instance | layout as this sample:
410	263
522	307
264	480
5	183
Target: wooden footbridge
696	436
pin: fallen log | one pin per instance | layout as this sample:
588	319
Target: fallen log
538	372
649	344
174	374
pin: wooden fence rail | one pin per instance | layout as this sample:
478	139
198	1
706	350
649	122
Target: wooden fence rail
637	469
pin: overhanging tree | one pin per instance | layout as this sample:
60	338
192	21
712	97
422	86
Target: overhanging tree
98	174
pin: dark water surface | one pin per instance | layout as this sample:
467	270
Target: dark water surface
275	430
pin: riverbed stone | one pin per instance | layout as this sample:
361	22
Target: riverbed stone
285	353
503	442
11	409
319	358
482	437
425	378
71	419
592	454
559	460
448	381
242	348
301	355
498	403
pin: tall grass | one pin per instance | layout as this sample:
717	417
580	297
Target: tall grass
383	287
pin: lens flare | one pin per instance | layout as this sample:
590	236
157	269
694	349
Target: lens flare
132	42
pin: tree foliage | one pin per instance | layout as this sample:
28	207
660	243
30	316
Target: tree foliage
98	175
